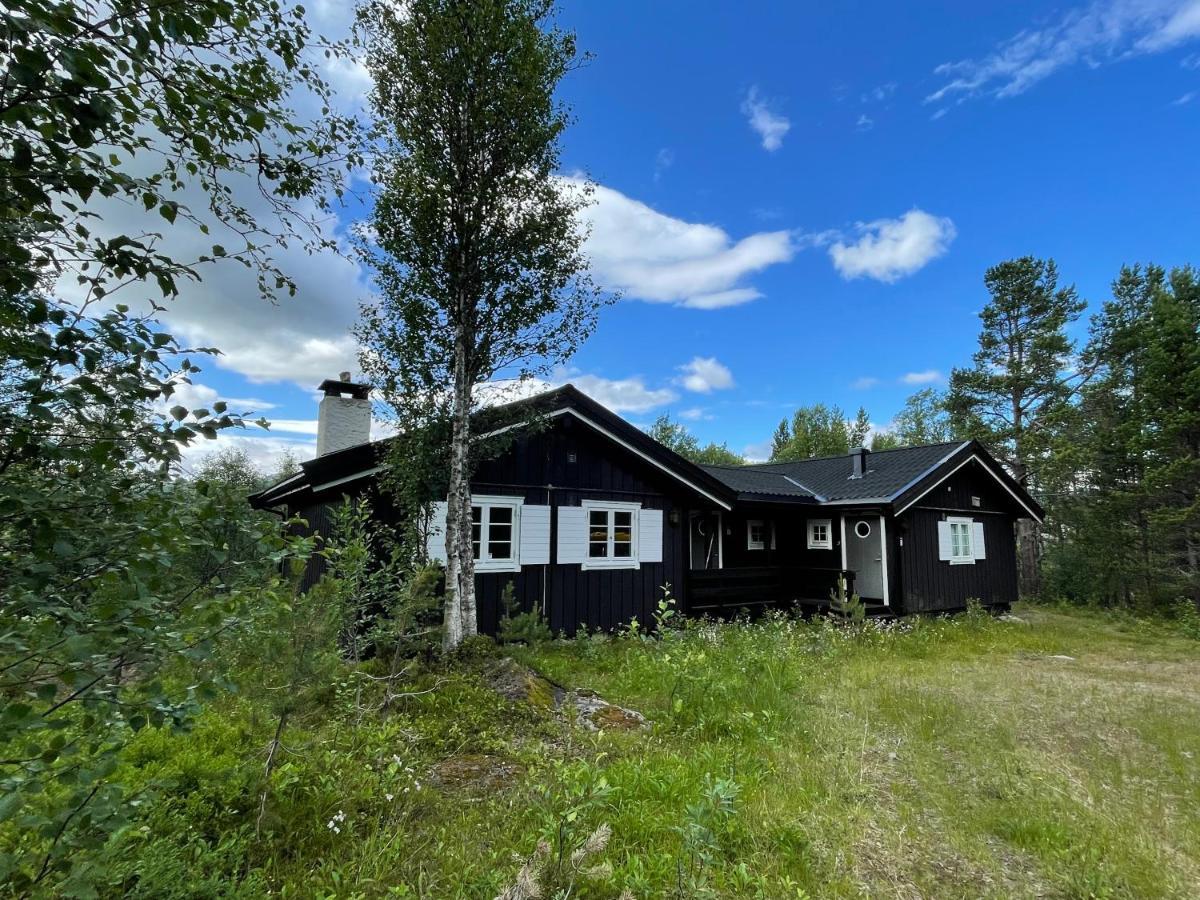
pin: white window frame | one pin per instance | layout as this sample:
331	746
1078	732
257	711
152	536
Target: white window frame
751	543
813	543
967	525
483	562
612	562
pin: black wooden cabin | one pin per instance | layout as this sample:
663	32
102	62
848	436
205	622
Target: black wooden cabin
589	519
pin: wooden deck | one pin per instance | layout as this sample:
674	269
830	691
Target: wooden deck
726	592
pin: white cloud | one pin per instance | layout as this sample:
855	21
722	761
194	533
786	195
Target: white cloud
771	126
1102	32
694	414
621	395
650	256
929	376
1185	99
889	249
864	123
264	452
624	394
864	383
879	93
703	375
663	160
760	452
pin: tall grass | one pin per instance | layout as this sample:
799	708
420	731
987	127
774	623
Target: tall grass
956	758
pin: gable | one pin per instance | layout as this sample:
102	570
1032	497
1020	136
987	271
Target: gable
971	473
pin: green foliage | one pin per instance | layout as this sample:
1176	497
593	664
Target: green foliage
665	613
676	436
819	430
1018	393
519	626
475	239
1127	513
849	606
116	577
924	419
136	103
702	833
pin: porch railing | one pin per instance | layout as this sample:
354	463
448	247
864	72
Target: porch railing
724	591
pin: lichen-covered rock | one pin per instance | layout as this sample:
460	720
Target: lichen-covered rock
600	715
515	682
519	684
476	771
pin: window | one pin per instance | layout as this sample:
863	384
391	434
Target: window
961	550
862	529
820	534
495	533
612	538
756	534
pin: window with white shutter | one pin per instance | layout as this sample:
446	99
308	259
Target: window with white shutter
613	540
958	539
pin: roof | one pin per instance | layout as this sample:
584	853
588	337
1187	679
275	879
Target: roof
344	466
888	471
752	482
893	477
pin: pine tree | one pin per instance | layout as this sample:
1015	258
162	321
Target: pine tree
1023	378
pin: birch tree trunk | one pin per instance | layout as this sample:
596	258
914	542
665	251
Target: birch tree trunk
459	617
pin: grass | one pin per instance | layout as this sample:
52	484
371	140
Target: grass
960	758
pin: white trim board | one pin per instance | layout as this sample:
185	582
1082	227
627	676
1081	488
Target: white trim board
628	446
976	458
883	538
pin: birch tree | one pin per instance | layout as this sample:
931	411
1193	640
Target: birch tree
475	238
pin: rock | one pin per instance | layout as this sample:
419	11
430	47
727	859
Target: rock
1009	617
519	684
600	715
476	770
515	682
1063	657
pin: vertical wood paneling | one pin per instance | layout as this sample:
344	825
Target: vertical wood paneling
929	584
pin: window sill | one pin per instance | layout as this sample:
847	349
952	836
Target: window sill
507	566
820	546
609	564
962	562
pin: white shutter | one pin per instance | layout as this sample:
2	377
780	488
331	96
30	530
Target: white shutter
435	539
572	535
977	540
944	547
535	535
650	535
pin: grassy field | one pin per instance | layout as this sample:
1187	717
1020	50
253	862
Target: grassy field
1055	756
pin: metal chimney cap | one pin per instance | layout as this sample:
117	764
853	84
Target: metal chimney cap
344	386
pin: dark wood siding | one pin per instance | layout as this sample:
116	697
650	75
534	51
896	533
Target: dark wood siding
791	538
928	584
563	466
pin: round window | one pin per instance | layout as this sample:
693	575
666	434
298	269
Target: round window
863	529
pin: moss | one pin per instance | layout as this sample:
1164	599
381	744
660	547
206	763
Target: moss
476	770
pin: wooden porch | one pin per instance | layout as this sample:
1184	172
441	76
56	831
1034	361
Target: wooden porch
727	592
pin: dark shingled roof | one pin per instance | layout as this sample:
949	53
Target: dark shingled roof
754	483
828	478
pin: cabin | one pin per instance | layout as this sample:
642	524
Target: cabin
588	519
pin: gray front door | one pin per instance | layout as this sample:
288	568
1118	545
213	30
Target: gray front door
864	555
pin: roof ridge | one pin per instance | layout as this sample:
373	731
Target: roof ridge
788	462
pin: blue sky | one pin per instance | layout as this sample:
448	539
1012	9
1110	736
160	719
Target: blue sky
799	201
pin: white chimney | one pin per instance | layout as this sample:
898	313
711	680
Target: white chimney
344	417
